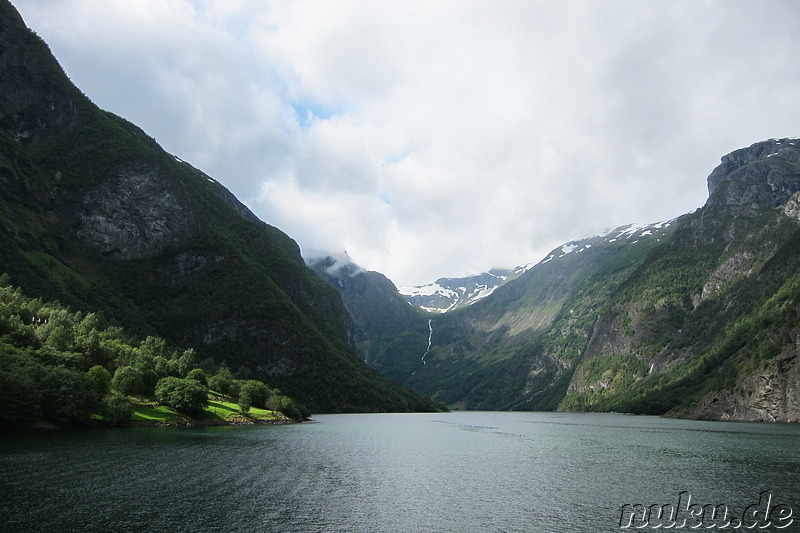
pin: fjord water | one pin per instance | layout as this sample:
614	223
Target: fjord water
459	472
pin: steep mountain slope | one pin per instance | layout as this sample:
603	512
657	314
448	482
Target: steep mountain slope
526	335
708	326
390	334
95	214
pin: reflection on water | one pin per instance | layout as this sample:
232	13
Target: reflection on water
395	472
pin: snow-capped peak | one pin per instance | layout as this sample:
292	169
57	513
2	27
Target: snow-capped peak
446	294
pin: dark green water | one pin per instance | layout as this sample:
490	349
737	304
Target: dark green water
458	472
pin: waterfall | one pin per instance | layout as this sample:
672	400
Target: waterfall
430	336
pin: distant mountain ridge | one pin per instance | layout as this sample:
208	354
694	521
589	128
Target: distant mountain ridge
446	294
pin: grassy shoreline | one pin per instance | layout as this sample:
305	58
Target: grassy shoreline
222	410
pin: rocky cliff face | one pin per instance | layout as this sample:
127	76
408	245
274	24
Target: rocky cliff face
136	214
770	395
764	175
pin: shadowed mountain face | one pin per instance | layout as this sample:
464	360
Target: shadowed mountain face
390	334
95	214
698	317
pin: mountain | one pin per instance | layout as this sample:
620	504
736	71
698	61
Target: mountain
696	317
446	294
95	214
708	326
485	356
390	334
405	343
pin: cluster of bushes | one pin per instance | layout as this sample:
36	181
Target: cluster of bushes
65	368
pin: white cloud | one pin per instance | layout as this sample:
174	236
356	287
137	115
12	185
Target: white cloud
441	138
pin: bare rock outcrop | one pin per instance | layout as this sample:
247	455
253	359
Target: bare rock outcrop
135	215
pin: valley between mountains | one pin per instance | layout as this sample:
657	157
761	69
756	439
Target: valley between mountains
695	317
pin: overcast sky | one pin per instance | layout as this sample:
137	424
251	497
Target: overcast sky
440	138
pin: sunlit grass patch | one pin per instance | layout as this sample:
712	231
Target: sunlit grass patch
157	413
221	410
223	407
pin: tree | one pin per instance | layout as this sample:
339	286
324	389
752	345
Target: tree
208	366
59	338
256	391
289	407
18	397
68	397
149	380
153	346
184	395
198	375
186	362
245	402
128	380
222	381
161	366
119	409
101	378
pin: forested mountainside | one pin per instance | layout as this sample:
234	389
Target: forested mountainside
696	317
94	214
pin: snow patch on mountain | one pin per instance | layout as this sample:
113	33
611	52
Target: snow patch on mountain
446	294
